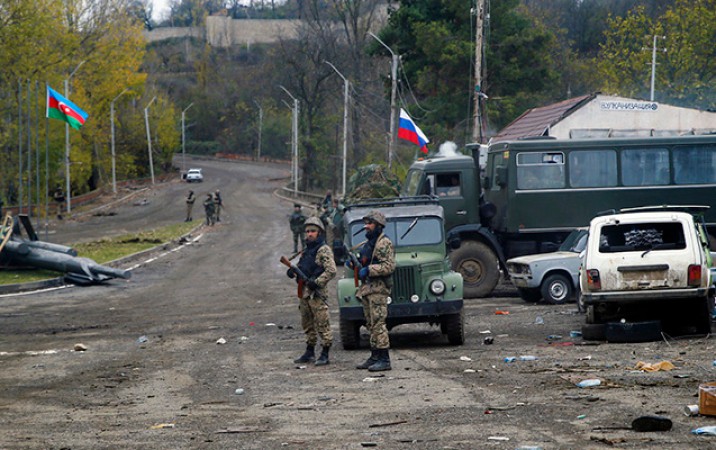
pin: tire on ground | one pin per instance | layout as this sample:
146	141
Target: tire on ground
350	334
594	331
557	289
479	267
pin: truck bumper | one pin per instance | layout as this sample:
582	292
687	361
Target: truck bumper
408	310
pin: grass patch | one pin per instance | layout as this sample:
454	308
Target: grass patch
105	250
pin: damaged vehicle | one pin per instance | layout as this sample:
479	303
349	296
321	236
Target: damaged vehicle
646	270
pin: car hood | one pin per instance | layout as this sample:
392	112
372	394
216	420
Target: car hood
543	257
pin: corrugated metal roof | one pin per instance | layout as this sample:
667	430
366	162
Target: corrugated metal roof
536	121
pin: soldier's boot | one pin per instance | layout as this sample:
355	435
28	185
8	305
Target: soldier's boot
383	362
323	359
370	361
308	356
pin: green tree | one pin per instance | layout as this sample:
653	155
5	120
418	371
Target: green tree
686	71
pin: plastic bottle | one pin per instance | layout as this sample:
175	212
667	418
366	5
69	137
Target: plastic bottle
528	358
589	383
509	359
539	320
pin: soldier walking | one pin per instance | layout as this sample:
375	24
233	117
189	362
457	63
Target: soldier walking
209	209
296	221
190	198
318	266
377	258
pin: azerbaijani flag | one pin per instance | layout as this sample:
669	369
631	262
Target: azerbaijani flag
58	107
410	132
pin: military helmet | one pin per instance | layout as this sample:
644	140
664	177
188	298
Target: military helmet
316	222
375	216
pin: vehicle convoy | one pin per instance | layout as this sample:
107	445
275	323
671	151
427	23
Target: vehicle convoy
536	191
553	276
424	288
650	263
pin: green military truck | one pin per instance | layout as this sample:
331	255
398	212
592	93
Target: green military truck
425	289
534	192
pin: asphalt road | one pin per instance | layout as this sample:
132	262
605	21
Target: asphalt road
154	376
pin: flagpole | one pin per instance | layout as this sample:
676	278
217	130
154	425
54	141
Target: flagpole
68	193
19	144
149	138
393	101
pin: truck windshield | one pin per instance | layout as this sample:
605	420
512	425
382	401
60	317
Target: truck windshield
425	231
412	180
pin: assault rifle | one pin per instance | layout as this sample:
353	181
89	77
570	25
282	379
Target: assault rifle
357	266
302	278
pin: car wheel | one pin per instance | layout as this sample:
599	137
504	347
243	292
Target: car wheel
478	265
531	295
702	315
454	326
594	331
350	334
556	289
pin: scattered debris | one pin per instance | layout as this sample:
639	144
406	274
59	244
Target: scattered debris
651	423
649	367
498	438
590	382
142	339
465	358
387	424
80	347
160	426
707	431
489	340
239	391
691	410
501	313
539	320
221	341
243	429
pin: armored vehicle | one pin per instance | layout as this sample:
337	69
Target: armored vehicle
425	289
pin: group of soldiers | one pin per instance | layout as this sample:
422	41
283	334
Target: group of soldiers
316	268
329	211
213	204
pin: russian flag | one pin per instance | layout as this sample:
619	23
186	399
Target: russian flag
410	132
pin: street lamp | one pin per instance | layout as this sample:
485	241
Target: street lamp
67	143
346	88
393	101
261	122
114	164
295	140
183	138
149	138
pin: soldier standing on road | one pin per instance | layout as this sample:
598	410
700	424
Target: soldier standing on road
377	258
317	264
218	203
189	206
59	197
209	209
297	221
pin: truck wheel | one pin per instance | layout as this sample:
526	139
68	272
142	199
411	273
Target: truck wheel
479	268
454	326
531	295
557	289
350	334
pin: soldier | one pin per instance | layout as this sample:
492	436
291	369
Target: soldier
189	206
296	221
218	204
209	209
377	258
318	266
59	197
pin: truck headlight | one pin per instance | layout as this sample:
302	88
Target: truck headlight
437	287
414	298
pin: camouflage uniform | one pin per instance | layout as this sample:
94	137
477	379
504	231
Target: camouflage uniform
189	206
209	209
314	304
218	205
296	222
317	265
375	291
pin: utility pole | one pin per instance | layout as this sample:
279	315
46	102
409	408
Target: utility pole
295	140
653	64
149	138
68	188
394	114
183	137
477	135
261	125
114	158
346	104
